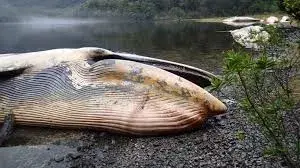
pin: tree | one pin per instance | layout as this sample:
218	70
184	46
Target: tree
177	13
292	7
149	9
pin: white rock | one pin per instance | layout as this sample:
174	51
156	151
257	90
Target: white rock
272	20
249	36
285	19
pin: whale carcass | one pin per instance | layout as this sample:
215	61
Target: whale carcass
100	89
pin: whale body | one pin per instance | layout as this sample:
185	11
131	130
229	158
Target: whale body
99	89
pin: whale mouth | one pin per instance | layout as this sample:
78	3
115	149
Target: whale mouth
50	58
195	75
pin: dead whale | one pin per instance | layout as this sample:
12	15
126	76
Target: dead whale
99	89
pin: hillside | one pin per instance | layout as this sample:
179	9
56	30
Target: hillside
151	9
41	3
136	9
13	10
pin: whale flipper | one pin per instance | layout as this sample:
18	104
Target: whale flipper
7	128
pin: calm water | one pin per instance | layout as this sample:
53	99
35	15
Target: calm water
197	44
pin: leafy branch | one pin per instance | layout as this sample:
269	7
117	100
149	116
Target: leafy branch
262	86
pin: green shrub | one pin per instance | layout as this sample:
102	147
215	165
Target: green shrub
262	88
291	6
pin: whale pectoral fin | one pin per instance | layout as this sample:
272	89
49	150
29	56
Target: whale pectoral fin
11	73
7	128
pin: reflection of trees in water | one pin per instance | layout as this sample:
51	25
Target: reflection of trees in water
202	36
192	36
196	44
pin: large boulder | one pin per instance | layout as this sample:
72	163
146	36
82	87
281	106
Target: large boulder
250	36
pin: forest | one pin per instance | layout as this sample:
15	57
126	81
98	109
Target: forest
136	9
153	9
143	9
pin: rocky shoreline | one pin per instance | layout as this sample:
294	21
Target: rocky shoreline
229	140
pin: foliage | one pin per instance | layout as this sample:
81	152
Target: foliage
291	6
176	12
240	135
262	87
149	9
143	9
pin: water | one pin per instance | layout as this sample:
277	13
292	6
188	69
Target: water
196	44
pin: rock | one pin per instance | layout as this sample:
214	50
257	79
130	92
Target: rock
248	36
205	138
285	22
74	155
33	156
113	142
59	158
272	20
285	19
240	21
180	165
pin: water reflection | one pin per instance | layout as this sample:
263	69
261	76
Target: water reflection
196	44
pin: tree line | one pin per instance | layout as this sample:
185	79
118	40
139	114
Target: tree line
152	9
146	9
